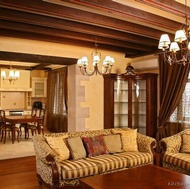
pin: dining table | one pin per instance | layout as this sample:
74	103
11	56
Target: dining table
19	119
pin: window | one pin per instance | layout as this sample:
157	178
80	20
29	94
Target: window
182	112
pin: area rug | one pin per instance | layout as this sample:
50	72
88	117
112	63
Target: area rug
23	148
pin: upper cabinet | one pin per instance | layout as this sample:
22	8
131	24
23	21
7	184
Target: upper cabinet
39	87
131	101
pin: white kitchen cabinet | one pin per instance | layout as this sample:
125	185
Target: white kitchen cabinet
39	87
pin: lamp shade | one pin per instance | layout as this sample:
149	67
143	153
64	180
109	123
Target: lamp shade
17	74
11	74
164	41
108	61
180	36
84	61
163	46
96	60
174	47
3	74
79	62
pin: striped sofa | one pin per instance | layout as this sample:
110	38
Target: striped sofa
176	152
66	173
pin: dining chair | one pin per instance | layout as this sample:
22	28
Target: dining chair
8	128
36	127
34	112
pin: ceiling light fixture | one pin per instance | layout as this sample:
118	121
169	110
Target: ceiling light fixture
13	75
179	50
96	57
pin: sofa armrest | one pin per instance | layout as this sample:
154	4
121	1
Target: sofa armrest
146	143
168	145
55	171
42	149
171	144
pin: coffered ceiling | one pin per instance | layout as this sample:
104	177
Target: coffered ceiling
132	27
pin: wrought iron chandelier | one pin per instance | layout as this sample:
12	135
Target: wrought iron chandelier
96	57
177	52
13	75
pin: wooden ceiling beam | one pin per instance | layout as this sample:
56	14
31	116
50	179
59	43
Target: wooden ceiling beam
117	27
124	11
128	34
35	58
81	16
51	32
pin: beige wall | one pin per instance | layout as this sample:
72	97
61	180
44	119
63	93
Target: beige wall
86	97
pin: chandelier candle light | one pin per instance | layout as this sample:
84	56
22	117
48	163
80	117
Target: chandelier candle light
179	50
13	75
96	56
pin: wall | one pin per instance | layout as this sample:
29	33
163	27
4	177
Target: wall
23	82
85	93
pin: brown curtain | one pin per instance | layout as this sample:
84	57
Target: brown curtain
173	79
57	118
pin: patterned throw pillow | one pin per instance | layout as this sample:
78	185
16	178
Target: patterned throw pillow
95	145
185	148
129	139
113	143
58	145
76	148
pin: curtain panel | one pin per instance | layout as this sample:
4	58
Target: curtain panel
173	80
57	117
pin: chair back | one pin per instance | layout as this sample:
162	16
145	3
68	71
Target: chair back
2	117
42	115
35	112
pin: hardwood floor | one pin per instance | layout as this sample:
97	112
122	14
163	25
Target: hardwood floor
19	173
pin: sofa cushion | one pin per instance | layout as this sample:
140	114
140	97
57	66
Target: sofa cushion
113	143
178	159
76	148
58	145
136	158
129	139
185	147
78	169
108	162
95	145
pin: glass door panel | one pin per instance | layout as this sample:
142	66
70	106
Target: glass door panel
120	103
139	105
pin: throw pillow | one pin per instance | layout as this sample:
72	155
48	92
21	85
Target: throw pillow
129	139
58	145
95	145
76	148
185	148
113	143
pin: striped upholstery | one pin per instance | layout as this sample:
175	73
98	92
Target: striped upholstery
136	158
78	169
176	168
178	159
108	162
